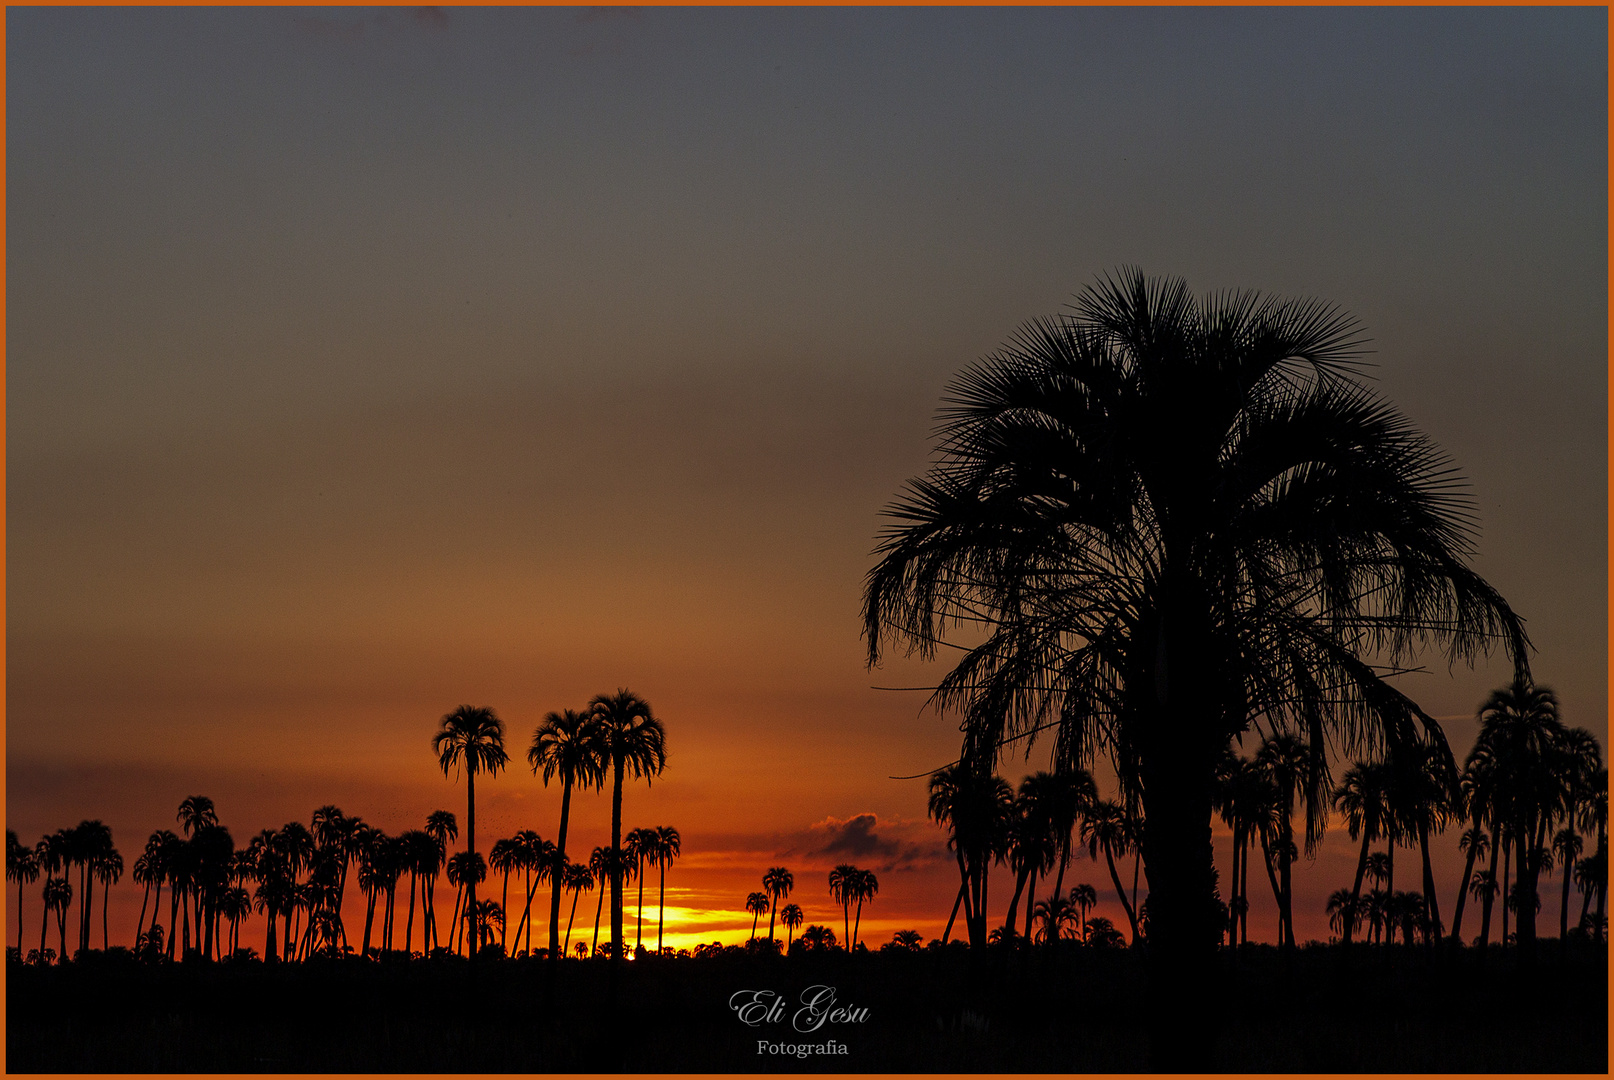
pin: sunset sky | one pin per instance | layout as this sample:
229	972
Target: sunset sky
366	363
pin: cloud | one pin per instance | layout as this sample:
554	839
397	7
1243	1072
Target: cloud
860	838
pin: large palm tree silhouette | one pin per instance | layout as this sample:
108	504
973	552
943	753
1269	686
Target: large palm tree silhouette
756	903
471	739
1165	517
633	742
566	745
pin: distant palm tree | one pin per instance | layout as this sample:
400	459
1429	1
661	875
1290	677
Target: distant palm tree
1363	797
1342	909
22	866
577	879
466	869
505	856
1084	897
818	938
58	895
1105	828
792	917
107	869
1054	913
978	810
1423	789
566	745
843	890
1473	844
633	743
778	881
1485	887
907	939
443	828
471	738
644	846
1567	846
864	887
670	847
1031	846
756	904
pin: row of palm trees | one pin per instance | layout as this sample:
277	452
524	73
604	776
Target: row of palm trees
849	886
615	737
1529	789
300	875
1037	831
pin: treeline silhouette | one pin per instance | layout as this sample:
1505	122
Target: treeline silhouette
1532	791
297	876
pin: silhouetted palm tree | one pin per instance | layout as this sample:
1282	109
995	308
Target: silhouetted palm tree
1423	787
58	896
1566	846
1163	518
1033	847
791	916
907	939
778	881
505	856
818	938
577	879
1105	828
756	904
864	887
1363	797
472	738
978	809
443	828
22	866
566	745
633	743
670	847
1083	897
1343	907
644	846
1525	750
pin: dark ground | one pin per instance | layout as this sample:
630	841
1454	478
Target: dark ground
1320	1009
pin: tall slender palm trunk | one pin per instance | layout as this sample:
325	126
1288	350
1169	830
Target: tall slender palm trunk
947	933
616	863
556	877
1431	901
661	907
470	845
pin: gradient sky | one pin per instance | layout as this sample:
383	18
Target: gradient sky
364	363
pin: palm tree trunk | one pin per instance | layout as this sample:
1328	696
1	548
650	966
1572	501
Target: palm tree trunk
1431	901
1286	911
470	845
661	907
638	913
1507	861
560	858
957	901
1462	894
1031	897
1272	878
409	924
106	896
1490	896
139	926
1011	922
369	921
1569	874
1131	916
504	905
599	906
858	920
568	946
1356	887
616	862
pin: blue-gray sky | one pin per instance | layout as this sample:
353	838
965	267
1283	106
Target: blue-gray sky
361	362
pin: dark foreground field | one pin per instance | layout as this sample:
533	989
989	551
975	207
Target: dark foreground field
1320	1009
